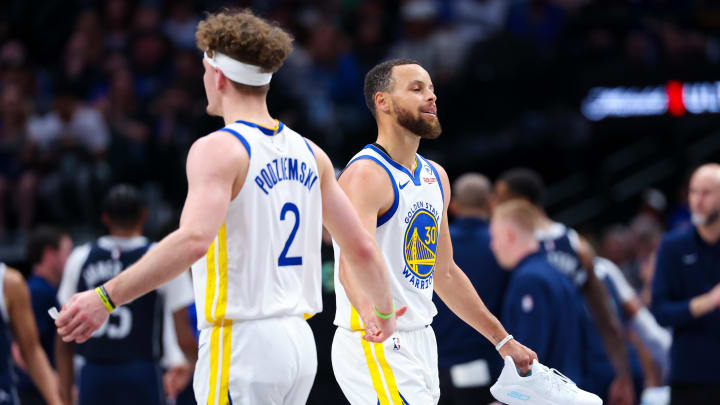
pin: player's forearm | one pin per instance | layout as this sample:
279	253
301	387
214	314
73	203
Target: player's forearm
173	255
355	295
368	270
458	293
42	375
609	326
65	368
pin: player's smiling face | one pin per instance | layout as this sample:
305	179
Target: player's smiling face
413	101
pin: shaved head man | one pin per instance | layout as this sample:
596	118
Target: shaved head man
686	293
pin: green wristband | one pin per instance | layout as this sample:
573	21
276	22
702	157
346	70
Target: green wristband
383	316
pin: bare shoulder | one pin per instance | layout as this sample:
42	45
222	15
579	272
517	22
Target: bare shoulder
443	178
13	278
14	285
367	175
219	148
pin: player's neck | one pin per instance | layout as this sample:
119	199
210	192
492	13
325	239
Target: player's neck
400	144
44	271
526	249
247	108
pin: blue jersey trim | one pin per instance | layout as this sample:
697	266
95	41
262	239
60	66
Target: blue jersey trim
414	177
309	147
265	130
387	215
437	176
229	398
240	137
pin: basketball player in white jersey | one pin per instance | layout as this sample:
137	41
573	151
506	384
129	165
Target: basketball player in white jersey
258	196
402	199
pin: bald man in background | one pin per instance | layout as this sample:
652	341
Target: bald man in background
468	363
686	294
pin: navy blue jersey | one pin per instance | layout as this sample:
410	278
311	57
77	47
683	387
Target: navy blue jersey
542	309
560	244
133	331
8	395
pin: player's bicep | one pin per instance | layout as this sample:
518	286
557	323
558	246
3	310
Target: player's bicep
444	262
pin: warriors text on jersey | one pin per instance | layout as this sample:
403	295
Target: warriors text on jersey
408	238
265	260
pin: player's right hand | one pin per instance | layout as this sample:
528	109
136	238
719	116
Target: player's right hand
82	315
377	329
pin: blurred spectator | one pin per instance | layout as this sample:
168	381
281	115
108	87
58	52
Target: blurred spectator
48	249
467	363
437	50
181	25
71	143
540	21
17	179
686	294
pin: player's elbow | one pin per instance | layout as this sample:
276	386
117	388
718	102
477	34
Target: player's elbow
364	250
197	244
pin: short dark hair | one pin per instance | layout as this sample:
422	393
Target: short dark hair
124	205
379	78
42	237
524	183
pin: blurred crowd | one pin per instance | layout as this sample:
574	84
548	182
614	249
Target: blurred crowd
95	93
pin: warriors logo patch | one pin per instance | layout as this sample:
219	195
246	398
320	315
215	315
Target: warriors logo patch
420	248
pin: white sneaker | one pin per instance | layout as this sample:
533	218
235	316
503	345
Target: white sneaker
543	386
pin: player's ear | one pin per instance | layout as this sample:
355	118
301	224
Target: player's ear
382	102
220	79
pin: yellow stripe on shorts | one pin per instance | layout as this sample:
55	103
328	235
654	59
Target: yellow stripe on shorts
214	348
389	376
224	329
225	373
374	372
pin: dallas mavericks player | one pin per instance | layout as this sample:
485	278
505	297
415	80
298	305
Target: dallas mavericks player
258	196
122	357
570	254
18	322
402	199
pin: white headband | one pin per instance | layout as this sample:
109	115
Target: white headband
238	71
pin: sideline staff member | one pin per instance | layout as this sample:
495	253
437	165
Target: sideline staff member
686	294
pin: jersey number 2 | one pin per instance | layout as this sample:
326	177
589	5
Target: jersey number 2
284	260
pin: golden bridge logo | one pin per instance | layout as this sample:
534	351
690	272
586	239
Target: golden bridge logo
421	244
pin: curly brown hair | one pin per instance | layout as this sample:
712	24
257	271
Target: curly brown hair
246	37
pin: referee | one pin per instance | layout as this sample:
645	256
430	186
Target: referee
686	294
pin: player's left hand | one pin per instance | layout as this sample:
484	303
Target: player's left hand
377	329
521	355
82	315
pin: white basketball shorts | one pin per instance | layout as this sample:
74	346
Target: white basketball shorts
266	361
401	370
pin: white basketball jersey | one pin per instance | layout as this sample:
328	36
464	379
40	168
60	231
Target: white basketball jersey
407	235
265	260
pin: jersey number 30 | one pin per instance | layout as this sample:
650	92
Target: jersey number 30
284	260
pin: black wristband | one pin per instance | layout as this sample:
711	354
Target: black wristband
102	287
